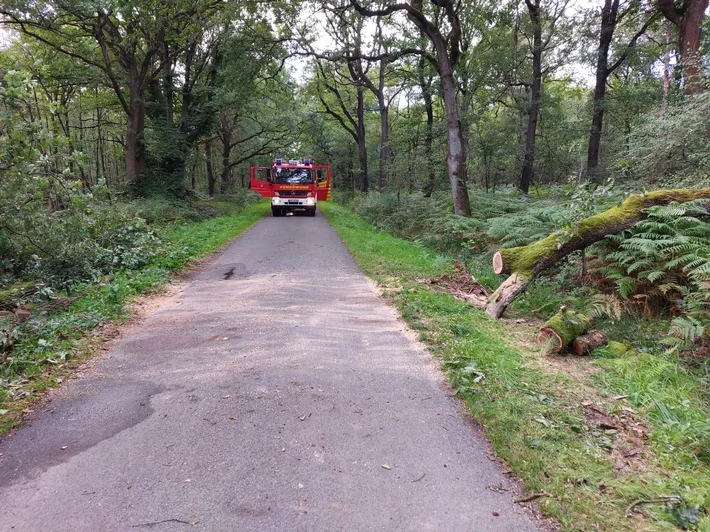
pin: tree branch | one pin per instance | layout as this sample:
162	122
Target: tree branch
632	43
670	11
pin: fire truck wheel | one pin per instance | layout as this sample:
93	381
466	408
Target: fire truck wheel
312	212
276	211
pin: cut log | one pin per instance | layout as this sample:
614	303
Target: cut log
498	263
587	343
562	328
527	262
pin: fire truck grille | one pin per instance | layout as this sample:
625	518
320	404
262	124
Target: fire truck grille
300	193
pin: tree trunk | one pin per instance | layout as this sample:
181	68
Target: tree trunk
168	90
688	19
384	135
361	145
666	76
526	177
134	151
690	33
210	170
448	53
527	262
608	25
456	158
97	147
507	292
100	151
429	135
226	155
85	176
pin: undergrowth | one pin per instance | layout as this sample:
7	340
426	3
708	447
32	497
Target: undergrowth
661	267
542	421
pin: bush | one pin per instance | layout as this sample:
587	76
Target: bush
79	245
672	148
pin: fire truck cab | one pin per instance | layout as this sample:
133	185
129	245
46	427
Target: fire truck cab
293	185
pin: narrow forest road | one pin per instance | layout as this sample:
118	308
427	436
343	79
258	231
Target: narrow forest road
275	392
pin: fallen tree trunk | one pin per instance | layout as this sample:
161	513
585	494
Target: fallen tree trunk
524	263
511	288
587	343
562	328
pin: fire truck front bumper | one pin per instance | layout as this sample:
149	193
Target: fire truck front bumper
293	202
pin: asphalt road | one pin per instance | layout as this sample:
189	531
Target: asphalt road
275	392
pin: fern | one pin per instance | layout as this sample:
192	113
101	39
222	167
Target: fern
686	328
605	305
526	227
666	259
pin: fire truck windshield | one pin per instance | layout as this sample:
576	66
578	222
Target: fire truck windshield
293	176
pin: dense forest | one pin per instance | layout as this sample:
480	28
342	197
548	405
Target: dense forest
557	101
475	128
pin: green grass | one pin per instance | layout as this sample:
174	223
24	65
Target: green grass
51	345
534	418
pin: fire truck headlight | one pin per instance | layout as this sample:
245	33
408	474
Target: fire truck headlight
310	201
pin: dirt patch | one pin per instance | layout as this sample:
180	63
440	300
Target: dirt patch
143	306
625	434
462	285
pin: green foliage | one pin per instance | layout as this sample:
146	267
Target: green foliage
672	148
53	229
664	263
425	220
431	222
673	396
531	225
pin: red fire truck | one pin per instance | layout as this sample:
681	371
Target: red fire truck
293	185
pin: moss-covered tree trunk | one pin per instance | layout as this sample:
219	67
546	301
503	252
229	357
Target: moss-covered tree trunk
562	329
527	262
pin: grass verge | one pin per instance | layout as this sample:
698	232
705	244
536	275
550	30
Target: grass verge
593	451
51	344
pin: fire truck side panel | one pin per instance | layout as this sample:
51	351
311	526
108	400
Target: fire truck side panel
259	181
323	186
